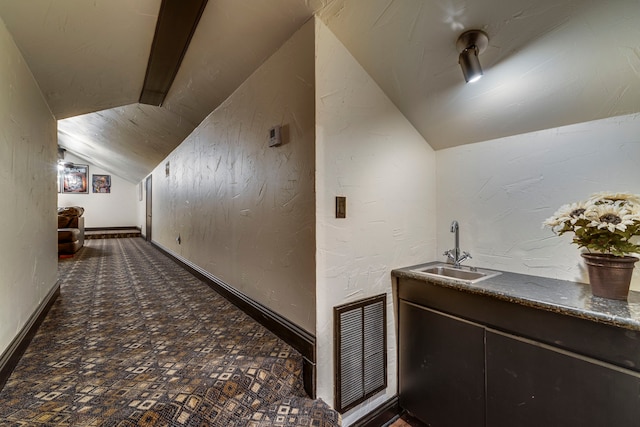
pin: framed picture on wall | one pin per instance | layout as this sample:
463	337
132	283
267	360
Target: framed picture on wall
75	179
101	183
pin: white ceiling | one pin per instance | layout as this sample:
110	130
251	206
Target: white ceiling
549	63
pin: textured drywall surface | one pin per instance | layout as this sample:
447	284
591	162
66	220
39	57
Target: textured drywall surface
115	209
549	63
502	190
87	56
28	252
129	141
367	151
244	211
90	59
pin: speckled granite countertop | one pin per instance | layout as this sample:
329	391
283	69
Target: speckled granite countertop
559	296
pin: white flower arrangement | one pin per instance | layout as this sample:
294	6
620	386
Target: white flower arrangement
606	223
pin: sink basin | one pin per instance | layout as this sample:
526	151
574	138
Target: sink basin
461	274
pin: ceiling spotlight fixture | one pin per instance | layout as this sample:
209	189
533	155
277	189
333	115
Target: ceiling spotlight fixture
470	44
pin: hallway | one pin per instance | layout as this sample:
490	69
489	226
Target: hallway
134	337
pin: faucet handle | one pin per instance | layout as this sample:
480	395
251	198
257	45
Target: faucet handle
465	255
449	254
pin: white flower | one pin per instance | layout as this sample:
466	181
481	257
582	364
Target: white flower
634	212
606	222
610	216
609	197
567	213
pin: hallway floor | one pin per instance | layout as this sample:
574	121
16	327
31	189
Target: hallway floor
134	339
407	420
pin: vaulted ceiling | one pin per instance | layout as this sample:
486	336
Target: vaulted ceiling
549	63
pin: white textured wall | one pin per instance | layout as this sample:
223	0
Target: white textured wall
116	209
501	190
245	211
367	151
28	252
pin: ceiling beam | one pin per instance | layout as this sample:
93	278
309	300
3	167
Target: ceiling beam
177	22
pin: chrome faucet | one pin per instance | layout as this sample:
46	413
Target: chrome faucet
453	255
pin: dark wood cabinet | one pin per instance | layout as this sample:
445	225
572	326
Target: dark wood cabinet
441	368
532	385
469	360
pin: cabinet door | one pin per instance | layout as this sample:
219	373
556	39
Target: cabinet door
441	367
530	384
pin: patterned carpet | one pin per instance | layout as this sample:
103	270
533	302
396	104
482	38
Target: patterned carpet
135	340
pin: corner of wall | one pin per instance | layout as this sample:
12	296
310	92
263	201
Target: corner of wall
118	208
28	150
368	152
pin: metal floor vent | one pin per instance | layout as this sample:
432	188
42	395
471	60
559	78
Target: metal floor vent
360	351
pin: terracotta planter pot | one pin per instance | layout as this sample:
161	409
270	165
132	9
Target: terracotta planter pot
610	275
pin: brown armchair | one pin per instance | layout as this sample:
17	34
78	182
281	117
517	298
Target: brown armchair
70	230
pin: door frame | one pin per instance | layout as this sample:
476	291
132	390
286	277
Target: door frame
148	223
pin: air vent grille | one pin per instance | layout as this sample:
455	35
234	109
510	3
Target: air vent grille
360	351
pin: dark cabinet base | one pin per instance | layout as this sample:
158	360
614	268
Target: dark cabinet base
532	385
468	360
442	371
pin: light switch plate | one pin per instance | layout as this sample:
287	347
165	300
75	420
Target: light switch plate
341	207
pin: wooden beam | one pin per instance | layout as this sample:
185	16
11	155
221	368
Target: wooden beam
176	24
